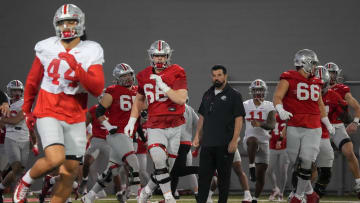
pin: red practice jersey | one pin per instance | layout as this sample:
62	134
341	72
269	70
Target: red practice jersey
302	99
162	112
120	109
275	134
341	89
98	130
335	105
63	91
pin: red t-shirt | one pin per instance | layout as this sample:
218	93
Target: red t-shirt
162	112
301	99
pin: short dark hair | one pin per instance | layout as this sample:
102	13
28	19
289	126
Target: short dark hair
218	67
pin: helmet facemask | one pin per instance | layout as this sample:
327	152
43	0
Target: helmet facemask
323	74
15	90
258	89
69	12
160	48
124	75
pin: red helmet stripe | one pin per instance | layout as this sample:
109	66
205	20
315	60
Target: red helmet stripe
257	83
17	83
124	67
65	8
320	73
159	45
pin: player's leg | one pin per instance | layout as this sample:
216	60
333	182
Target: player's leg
144	175
75	144
310	144
324	162
193	179
241	175
213	187
271	172
262	161
283	170
52	139
252	147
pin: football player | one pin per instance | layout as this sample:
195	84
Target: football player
341	137
118	100
17	140
260	118
164	86
298	100
65	68
279	160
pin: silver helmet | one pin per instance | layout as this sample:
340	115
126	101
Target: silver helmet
15	85
69	12
160	47
119	71
323	74
306	59
258	89
335	72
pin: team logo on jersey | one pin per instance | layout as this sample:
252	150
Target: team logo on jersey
224	98
172	109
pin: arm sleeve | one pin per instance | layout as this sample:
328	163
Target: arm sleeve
32	84
3	98
92	80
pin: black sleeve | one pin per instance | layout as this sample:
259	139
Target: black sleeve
202	107
238	105
141	133
3	98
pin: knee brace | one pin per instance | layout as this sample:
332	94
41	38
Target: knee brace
133	177
323	180
162	176
105	178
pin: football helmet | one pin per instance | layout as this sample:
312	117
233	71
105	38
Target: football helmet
323	74
160	47
119	73
15	85
69	12
258	89
306	59
335	72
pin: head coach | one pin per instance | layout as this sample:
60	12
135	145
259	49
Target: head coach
220	122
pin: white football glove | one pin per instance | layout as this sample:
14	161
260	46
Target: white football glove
163	86
110	128
129	128
284	115
329	127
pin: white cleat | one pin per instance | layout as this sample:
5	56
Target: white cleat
89	197
274	194
172	200
143	196
21	192
101	194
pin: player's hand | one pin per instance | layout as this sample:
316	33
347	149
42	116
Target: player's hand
159	82
70	59
284	115
331	129
195	153
110	128
35	149
255	123
278	145
232	146
352	128
196	141
5	109
30	120
129	128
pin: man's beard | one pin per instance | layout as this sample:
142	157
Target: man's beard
218	83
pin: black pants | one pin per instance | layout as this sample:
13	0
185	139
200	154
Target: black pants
211	159
180	169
